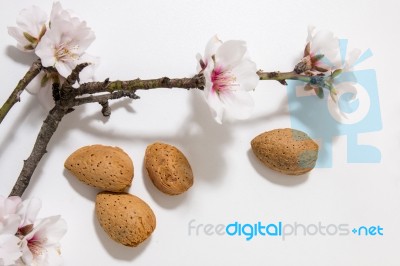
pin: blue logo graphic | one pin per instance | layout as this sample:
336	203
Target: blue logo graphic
323	119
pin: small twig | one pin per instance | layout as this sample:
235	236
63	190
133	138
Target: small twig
15	95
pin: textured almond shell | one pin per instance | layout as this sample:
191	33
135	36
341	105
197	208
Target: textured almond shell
168	168
104	167
124	217
288	151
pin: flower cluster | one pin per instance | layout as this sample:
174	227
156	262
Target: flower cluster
321	55
25	240
60	41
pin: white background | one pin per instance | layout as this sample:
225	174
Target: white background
150	39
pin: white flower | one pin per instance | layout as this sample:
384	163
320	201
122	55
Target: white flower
31	24
321	53
65	42
229	76
41	246
25	241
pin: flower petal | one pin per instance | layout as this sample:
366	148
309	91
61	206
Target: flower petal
216	107
45	96
9	249
50	229
31	23
238	104
8	205
230	53
246	75
28	211
45	50
87	74
10	224
211	48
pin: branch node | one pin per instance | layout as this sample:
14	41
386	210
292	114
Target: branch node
165	82
282	81
106	110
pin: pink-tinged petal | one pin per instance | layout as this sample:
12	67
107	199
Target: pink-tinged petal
45	96
11	204
52	229
211	48
8	206
216	106
28	211
31	22
17	34
87	74
238	104
211	96
9	249
311	30
230	53
45	51
246	75
63	68
27	255
56	10
32	19
325	43
9	224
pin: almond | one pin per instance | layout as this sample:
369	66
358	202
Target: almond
168	168
104	167
288	151
124	217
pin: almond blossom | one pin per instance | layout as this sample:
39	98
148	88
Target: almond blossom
41	245
25	240
230	75
321	53
60	42
64	43
31	26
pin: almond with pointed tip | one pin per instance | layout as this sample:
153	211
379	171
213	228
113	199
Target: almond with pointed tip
287	150
105	167
125	218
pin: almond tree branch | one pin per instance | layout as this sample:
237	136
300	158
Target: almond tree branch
15	95
102	93
70	98
196	82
